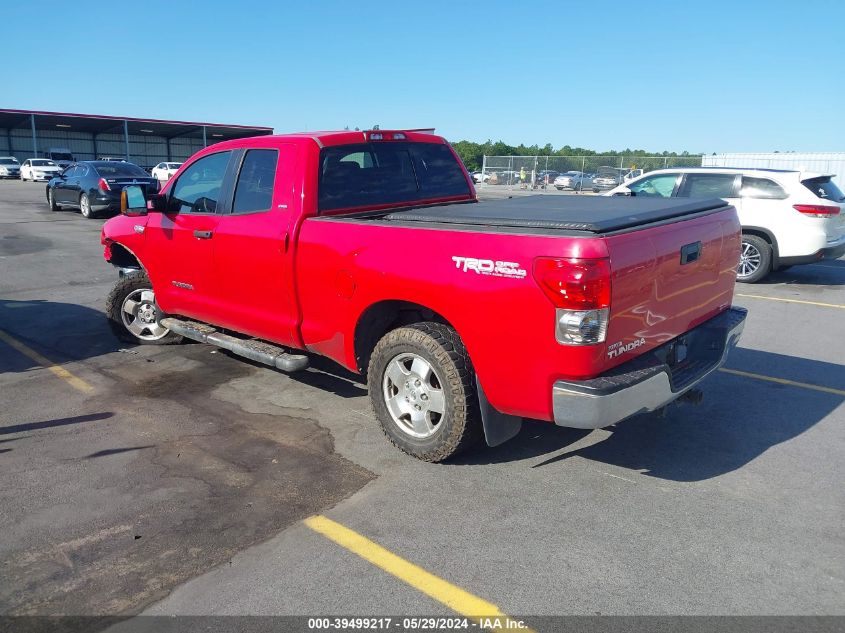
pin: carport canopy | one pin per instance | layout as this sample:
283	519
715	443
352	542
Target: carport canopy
11	119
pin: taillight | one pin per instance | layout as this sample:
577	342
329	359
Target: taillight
580	290
576	284
103	185
816	210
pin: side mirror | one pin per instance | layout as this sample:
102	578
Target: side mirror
624	191
132	201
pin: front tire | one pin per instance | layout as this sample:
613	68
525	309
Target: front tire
51	200
755	259
422	390
133	314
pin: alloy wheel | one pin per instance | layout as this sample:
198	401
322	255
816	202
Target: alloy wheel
414	395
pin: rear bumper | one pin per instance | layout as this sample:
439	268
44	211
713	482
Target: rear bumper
831	252
651	380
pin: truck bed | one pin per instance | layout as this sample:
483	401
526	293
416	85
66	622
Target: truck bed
571	213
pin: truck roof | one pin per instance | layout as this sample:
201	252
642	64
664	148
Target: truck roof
345	137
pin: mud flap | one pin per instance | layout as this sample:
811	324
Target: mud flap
498	427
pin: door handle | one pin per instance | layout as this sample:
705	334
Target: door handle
203	235
690	253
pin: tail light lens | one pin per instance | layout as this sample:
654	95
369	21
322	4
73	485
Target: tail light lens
576	284
816	210
103	185
580	290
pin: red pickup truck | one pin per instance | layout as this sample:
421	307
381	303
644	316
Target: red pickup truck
372	249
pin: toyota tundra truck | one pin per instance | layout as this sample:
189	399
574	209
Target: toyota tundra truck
372	249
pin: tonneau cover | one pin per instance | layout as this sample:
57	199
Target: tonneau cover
597	214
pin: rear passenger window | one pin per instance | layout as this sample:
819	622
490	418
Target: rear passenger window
708	186
762	188
254	190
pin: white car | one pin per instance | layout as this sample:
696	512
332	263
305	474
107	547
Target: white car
788	217
9	167
39	169
570	180
164	171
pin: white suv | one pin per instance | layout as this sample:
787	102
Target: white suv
787	217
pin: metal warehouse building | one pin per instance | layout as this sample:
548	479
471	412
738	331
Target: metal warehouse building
820	162
145	142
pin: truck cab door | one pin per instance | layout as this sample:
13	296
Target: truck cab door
252	245
180	240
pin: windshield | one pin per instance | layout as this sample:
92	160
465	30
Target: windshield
8	161
173	165
824	188
43	163
61	156
369	174
120	170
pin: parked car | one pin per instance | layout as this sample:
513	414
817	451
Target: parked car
506	177
62	156
788	217
164	171
112	159
477	176
94	186
610	177
39	169
545	177
9	167
273	245
569	180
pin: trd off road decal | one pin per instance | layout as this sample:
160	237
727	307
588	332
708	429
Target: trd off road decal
489	267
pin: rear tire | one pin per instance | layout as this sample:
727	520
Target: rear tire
133	314
422	390
755	259
85	206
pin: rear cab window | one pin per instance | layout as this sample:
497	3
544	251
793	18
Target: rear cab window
824	188
384	173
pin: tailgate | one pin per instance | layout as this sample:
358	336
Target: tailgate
668	279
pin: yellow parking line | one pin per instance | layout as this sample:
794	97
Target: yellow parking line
812	303
46	363
444	592
783	381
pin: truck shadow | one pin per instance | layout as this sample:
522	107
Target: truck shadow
741	418
62	331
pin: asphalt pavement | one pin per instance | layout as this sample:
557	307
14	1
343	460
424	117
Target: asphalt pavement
178	483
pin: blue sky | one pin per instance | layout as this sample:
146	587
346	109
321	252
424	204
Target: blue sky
699	76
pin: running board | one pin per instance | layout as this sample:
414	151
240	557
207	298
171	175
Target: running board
253	349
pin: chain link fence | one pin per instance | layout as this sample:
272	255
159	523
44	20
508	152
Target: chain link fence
577	173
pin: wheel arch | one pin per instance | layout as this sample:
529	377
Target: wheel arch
767	235
122	257
381	317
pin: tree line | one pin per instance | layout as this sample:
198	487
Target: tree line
473	153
